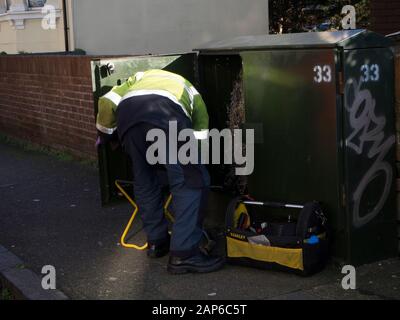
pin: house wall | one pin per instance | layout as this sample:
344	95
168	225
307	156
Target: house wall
21	29
40	40
160	26
8	38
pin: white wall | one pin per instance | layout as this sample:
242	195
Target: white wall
163	26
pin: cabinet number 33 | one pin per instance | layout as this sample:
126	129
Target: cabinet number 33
322	74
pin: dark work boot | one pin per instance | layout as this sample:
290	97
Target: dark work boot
199	263
160	250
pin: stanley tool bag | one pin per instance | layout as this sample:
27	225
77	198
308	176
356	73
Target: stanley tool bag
258	236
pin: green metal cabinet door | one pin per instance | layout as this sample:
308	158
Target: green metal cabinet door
291	102
370	153
106	73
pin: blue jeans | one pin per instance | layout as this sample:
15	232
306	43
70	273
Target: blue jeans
189	185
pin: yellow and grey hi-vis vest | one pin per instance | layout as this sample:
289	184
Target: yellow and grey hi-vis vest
155	82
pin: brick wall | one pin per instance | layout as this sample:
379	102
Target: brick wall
385	16
48	100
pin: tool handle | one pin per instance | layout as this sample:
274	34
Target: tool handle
274	204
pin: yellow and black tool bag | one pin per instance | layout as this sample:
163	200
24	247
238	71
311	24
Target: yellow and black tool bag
279	236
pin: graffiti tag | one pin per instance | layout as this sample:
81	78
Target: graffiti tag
368	128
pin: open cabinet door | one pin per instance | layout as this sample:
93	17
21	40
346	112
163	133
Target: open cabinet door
106	73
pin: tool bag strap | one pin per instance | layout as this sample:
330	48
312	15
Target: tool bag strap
230	211
310	216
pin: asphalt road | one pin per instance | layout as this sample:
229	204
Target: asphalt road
50	214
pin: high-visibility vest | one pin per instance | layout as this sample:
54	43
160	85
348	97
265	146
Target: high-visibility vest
155	82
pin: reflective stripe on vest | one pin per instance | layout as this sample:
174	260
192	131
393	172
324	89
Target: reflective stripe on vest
113	97
201	135
190	91
104	129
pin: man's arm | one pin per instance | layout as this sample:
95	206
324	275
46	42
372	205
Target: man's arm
106	122
200	119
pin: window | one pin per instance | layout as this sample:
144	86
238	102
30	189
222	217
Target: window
4	5
36	3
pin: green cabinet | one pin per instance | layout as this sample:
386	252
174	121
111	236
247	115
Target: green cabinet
322	107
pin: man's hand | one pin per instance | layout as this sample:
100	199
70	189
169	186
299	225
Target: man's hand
98	142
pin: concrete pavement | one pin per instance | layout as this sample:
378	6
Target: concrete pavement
50	214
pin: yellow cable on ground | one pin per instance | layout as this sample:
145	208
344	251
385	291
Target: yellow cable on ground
129	225
133	217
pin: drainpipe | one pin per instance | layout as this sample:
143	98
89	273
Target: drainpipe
66	27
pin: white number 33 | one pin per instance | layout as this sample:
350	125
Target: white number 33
323	74
370	72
